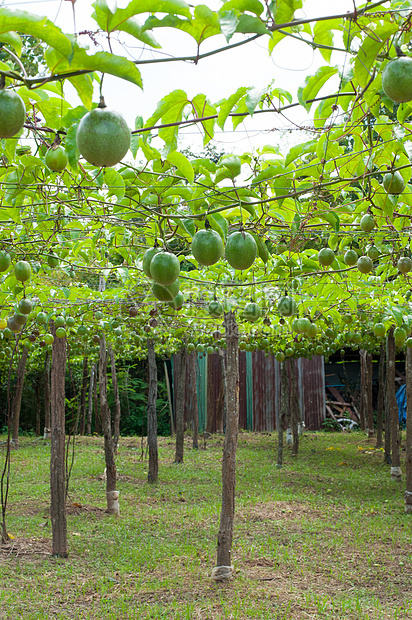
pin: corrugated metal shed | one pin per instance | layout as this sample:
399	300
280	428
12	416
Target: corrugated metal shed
259	391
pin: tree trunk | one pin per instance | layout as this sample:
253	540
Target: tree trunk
223	373
97	425
192	359
112	496
369	396
393	420
83	392
152	414
18	393
362	389
408	463
284	408
224	568
90	400
38	406
46	387
57	458
180	405
117	410
381	397
295	408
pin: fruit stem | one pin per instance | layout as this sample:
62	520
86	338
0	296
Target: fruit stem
2	81
207	224
102	103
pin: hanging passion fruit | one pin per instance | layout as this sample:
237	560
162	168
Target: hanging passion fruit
12	113
103	137
207	247
56	159
397	79
241	250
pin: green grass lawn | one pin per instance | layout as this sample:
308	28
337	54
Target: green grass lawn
325	537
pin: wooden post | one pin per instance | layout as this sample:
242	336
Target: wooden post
192	359
57	458
112	496
117	410
381	396
408	464
180	405
90	400
294	408
284	409
369	396
47	402
152	414
393	421
83	392
224	568
18	393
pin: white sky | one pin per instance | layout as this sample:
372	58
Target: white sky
218	76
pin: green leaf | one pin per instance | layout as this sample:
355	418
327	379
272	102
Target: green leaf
252	6
378	34
84	87
182	164
228	24
226	105
284	10
114	182
253	97
71	146
313	84
332	218
37	26
101	61
189	226
262	249
13	39
169	110
110	21
323	35
204	108
299	150
253	25
219	224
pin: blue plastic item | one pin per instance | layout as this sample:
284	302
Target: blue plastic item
401	400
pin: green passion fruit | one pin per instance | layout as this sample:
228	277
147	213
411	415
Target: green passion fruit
397	79
404	264
326	257
287	306
207	247
12	113
5	261
165	268
22	271
215	309
240	250
367	223
177	302
350	258
251	312
393	182
103	137
365	264
56	159
147	259
165	293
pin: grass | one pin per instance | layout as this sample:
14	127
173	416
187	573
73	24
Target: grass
325	537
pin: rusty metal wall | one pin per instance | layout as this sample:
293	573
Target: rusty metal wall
259	392
312	380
